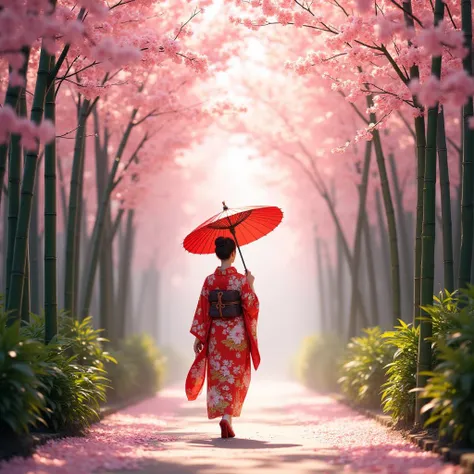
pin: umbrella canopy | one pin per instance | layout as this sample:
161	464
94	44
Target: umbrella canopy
244	225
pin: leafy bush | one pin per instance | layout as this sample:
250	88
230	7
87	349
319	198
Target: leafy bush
140	368
76	383
123	377
73	394
317	361
21	363
363	369
397	398
141	351
78	338
450	389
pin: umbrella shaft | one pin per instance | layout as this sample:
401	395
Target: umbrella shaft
232	230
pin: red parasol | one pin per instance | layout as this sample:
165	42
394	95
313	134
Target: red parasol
244	225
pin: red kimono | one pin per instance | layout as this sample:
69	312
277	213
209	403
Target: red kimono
228	347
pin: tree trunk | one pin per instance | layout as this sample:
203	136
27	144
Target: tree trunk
407	257
445	205
321	291
347	254
15	295
12	98
50	224
106	277
371	273
100	224
383	242
341	300
391	222
467	235
34	255
428	235
126	256
361	217
25	304
15	166
457	207
62	190
74	203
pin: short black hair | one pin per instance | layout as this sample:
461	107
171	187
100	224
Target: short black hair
224	247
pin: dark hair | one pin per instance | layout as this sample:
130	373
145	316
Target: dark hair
224	247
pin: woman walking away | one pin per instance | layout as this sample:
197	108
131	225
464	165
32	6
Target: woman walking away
225	327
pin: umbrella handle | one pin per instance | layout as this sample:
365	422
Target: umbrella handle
232	231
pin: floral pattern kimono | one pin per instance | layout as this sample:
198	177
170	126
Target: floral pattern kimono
228	347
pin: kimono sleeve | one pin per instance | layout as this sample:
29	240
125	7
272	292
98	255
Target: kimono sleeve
250	304
201	316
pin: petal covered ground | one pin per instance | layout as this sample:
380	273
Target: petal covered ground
284	428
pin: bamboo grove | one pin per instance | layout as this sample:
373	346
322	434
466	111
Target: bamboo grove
119	113
402	253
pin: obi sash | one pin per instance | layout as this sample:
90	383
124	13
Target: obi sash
225	304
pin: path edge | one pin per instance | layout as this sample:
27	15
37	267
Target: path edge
462	457
27	446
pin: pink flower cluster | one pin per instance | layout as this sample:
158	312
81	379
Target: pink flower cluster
455	89
22	23
436	40
113	55
31	134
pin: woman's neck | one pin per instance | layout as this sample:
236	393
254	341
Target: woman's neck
225	264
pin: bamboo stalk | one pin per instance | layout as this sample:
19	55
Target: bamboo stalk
361	216
465	258
15	294
321	290
391	222
420	138
74	199
106	269
11	99
100	222
50	224
62	190
445	205
14	183
428	235
34	243
407	259
383	241
371	273
124	274
25	303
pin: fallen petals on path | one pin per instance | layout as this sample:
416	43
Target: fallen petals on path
296	432
119	442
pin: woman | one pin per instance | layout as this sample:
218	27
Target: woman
225	327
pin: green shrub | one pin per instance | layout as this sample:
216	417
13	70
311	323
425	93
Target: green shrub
397	397
140	368
73	395
78	338
77	382
123	377
450	389
141	351
22	403
317	361
363	369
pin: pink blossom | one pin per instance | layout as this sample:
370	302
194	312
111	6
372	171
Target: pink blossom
46	131
364	6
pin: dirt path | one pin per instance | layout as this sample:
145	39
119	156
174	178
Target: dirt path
284	429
